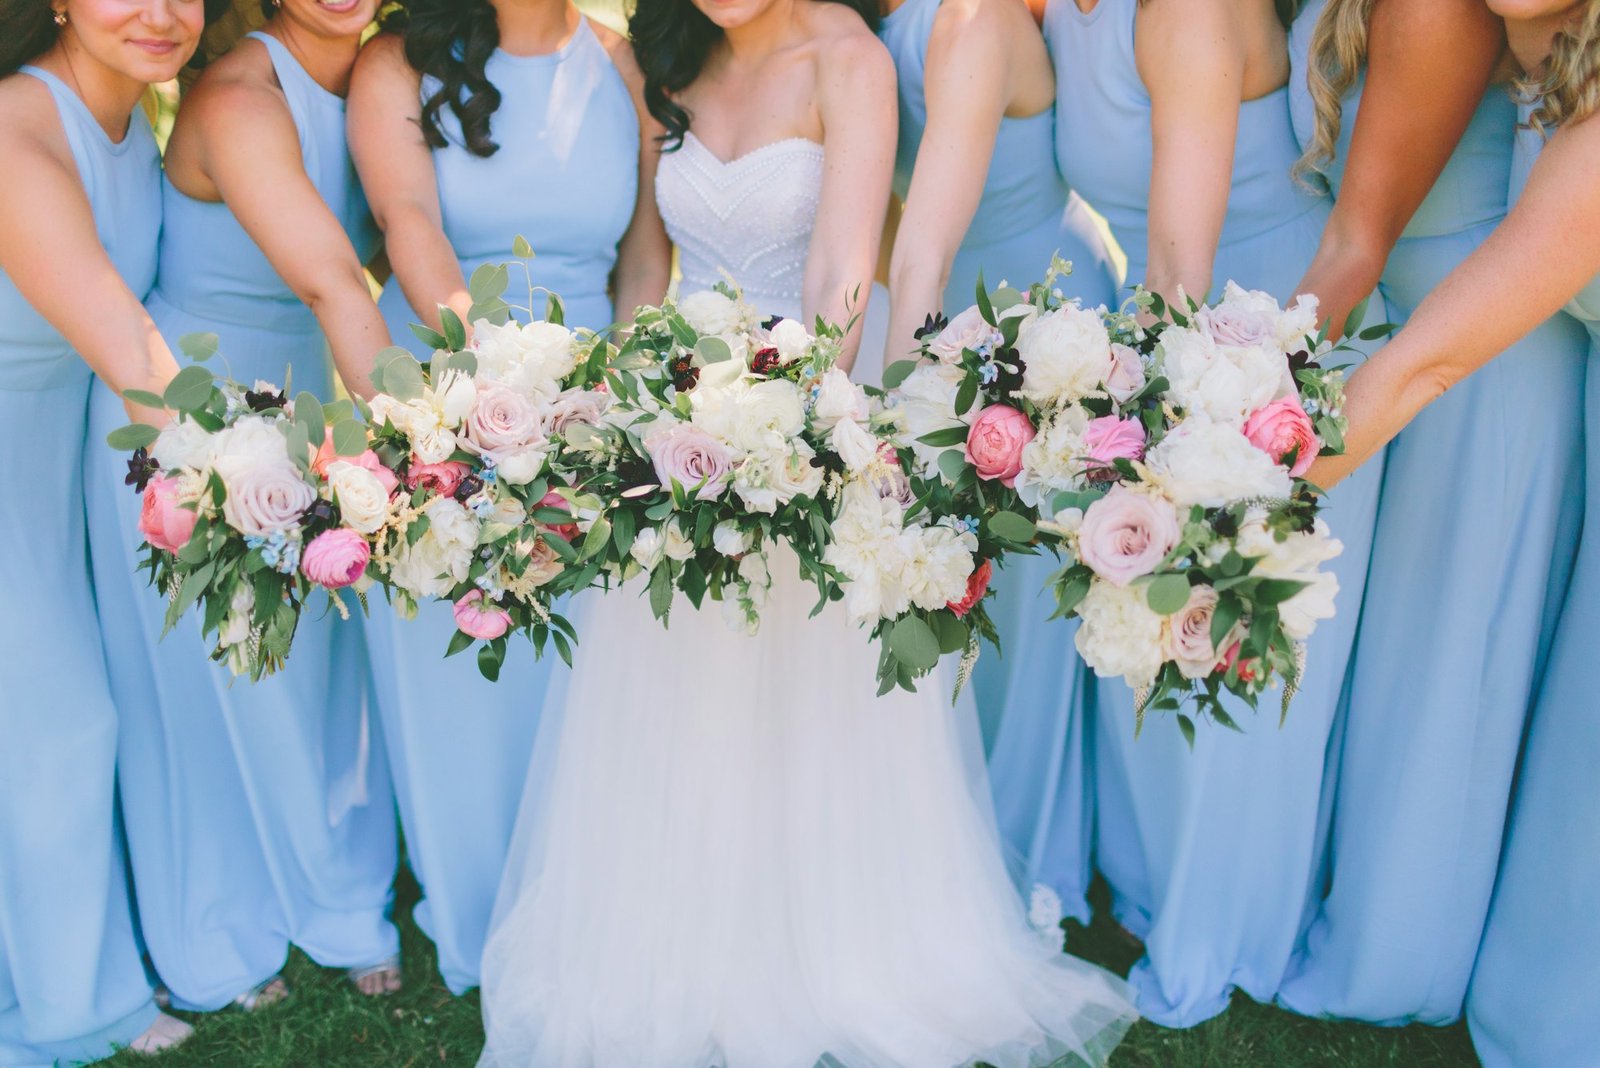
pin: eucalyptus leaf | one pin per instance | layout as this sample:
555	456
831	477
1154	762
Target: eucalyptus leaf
402	379
1167	594
520	248
431	338
190	388
455	331
914	644
308	413
133	436
712	350
349	438
199	347
1011	527
144	397
896	373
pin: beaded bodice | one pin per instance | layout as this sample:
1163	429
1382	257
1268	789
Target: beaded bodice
751	217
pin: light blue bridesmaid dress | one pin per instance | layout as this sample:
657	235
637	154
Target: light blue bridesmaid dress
1477	524
258	814
72	985
459	746
1536	987
1028	697
1210	853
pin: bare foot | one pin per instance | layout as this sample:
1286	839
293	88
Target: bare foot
163	1034
263	996
379	980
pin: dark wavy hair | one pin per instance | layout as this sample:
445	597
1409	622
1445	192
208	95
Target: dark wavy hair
28	30
671	39
452	40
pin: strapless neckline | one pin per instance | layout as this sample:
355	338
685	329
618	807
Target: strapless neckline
754	153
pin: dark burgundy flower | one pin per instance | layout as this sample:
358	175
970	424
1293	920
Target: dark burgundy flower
468	488
933	324
265	400
766	361
141	469
1009	367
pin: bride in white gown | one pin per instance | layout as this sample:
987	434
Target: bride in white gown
731	853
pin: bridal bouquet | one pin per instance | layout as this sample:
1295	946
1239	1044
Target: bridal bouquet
476	439
1163	464
246	511
718	442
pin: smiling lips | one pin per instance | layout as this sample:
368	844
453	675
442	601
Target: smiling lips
155	46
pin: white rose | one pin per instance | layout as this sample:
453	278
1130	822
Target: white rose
361	497
182	443
790	339
1213	464
794	475
1119	635
1065	356
519	467
709	312
677	544
729	540
647	548
576	407
838	398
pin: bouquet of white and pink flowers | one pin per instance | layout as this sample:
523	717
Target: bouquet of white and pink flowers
476	438
1162	463
246	508
718	443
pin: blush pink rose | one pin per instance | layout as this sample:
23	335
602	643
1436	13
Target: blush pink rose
441	478
478	621
977	588
368	459
1281	428
564	531
503	420
163	522
1124	374
336	558
1109	439
1125	535
995	443
1189	634
693	458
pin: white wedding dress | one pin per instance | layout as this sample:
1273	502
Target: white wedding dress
730	852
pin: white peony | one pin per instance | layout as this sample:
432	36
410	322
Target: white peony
251	441
1054	460
1119	635
867	548
1221	383
363	501
440	558
182	443
1214	464
1298	557
531	358
1065	354
838	398
709	312
925	402
936	568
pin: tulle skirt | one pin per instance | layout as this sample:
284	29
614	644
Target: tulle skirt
732	854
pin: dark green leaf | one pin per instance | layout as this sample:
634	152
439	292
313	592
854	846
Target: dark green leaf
489	662
896	373
1352	322
455	331
966	394
431	338
941	439
460	641
661	590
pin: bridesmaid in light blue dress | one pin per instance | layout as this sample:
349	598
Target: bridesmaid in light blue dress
566	129
1536	986
1209	852
258	814
1433	727
1028	697
78	229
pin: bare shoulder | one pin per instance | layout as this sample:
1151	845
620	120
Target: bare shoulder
30	125
988	20
384	59
620	50
240	85
849	57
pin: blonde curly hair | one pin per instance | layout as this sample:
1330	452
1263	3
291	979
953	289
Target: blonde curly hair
1338	55
1567	88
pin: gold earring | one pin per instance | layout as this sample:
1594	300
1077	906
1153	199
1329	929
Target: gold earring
61	18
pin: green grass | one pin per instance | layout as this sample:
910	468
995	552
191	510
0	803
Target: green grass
327	1025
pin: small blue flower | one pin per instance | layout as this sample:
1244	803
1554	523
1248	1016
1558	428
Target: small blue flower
989	372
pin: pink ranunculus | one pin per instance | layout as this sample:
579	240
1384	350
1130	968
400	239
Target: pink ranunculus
995	443
1109	439
564	531
1283	427
478	621
1126	534
977	587
442	478
503	420
162	520
1125	374
693	458
336	558
368	459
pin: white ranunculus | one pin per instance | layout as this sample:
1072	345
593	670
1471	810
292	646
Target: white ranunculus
729	540
1221	383
937	566
648	548
1054	460
1214	464
839	398
182	443
362	499
925	402
767	416
1298	557
531	358
855	446
709	312
1066	355
794	475
790	339
1119	635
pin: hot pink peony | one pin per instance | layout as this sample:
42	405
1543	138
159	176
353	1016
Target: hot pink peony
336	558
1108	439
995	443
162	520
1281	428
485	624
441	478
1126	534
